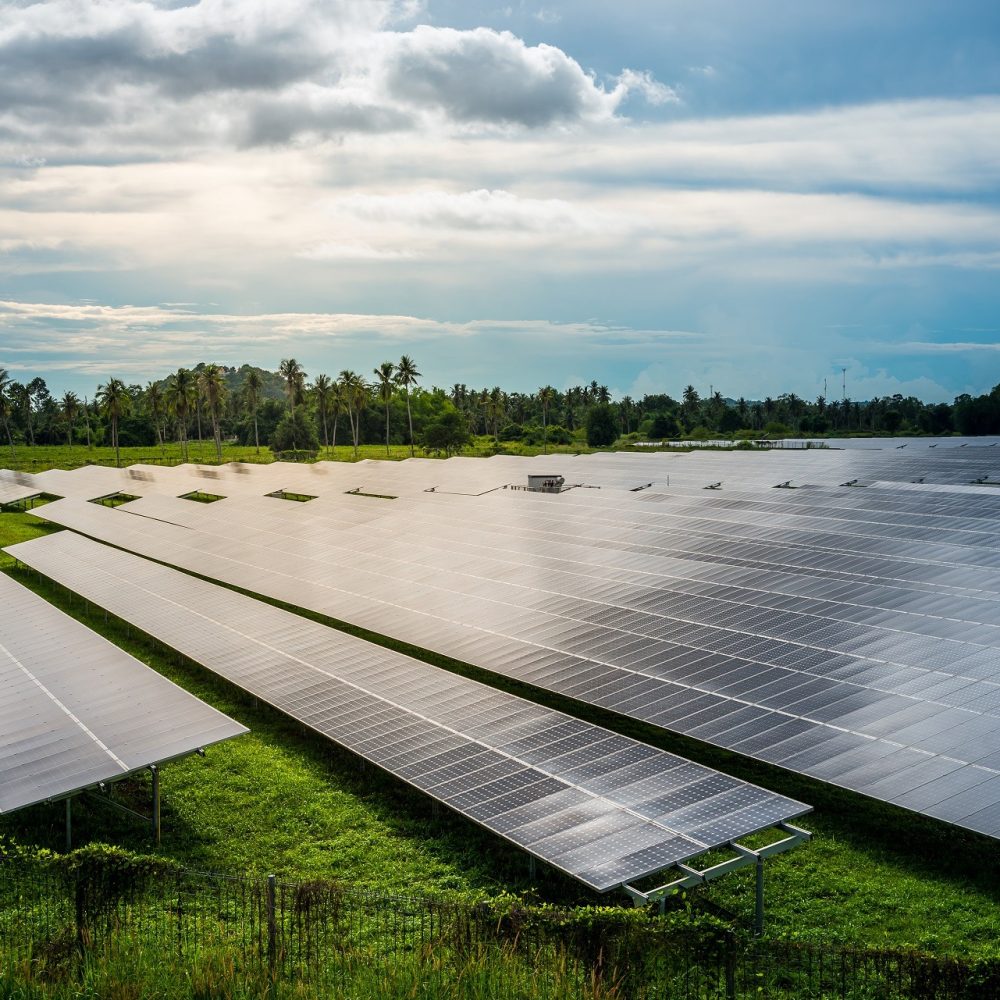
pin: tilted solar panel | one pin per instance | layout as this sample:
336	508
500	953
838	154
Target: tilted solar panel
603	808
75	710
881	675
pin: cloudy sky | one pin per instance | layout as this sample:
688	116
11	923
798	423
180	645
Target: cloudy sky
744	195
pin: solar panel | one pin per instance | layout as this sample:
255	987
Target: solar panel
16	487
523	771
734	616
75	710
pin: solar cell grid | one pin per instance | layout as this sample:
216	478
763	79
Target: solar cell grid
500	526
76	710
218	627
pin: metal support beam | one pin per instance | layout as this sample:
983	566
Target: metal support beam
69	825
532	867
691	877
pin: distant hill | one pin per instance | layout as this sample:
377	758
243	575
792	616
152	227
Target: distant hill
274	384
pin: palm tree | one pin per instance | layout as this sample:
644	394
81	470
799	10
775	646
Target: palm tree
355	392
323	391
20	396
6	409
181	396
626	413
153	401
212	382
385	373
86	419
114	402
545	396
253	385
70	410
407	375
295	381
338	403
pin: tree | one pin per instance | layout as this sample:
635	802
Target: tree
212	382
601	430
691	406
545	397
323	391
6	409
448	433
295	381
114	402
181	397
338	405
297	434
70	410
385	373
355	392
252	386
664	426
407	375
156	408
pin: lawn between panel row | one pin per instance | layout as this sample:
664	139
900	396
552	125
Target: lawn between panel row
283	800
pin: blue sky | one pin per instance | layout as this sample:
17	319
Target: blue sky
745	196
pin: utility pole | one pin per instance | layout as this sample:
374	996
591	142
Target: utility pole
844	373
824	389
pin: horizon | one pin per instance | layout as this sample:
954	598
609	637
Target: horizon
542	193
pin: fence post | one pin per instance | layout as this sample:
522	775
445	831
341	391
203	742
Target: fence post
81	916
758	923
730	940
272	928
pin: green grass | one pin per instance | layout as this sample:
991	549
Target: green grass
281	800
38	458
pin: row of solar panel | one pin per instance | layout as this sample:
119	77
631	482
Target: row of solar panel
597	805
805	737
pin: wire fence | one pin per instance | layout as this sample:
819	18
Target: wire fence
143	918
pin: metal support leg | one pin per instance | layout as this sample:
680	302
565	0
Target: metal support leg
69	825
758	923
155	771
532	869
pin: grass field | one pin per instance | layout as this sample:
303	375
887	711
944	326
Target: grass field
280	800
38	458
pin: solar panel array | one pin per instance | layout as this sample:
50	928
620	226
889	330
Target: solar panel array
603	808
75	710
852	635
16	486
954	462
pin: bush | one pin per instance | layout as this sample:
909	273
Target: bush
512	432
449	433
664	426
602	429
295	433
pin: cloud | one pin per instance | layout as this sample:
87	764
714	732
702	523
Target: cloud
940	347
487	76
353	251
149	341
475	210
110	79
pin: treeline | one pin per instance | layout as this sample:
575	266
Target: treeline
292	413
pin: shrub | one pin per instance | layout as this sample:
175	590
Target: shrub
601	427
295	433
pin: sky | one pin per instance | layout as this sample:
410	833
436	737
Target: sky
750	197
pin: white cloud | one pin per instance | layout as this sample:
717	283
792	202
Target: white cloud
112	80
353	251
474	210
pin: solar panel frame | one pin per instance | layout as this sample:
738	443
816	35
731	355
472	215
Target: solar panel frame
507	776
